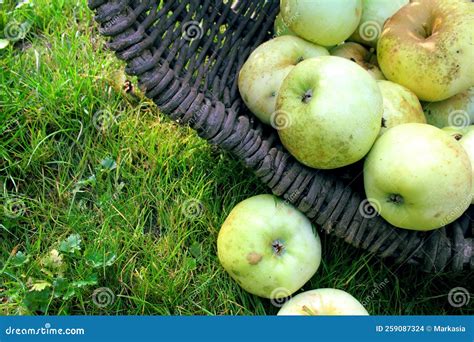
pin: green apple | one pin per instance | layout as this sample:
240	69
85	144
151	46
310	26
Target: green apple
322	22
418	177
400	106
280	27
334	110
268	247
359	54
458	110
323	302
263	72
374	15
466	137
427	46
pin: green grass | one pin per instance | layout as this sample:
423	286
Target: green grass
130	207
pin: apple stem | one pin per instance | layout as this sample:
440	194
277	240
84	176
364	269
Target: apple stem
307	96
308	311
369	55
278	247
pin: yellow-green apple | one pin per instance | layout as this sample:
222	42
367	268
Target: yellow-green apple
466	137
333	109
263	72
417	177
427	46
374	15
458	110
280	28
400	106
359	54
323	302
322	22
268	247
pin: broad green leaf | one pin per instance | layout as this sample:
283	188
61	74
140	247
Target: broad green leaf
195	250
60	286
108	164
37	300
62	289
91	280
91	180
97	259
71	245
20	259
69	293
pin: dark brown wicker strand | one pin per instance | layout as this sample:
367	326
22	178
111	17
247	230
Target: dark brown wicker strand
192	77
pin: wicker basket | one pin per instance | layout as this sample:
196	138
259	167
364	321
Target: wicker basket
187	54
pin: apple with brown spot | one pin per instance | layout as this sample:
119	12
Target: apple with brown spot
268	247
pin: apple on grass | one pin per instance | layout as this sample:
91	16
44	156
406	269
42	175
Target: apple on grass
322	22
268	247
465	135
334	112
400	106
458	110
417	177
323	302
360	55
427	46
262	74
374	15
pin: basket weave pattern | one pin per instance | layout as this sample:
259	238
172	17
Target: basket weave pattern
186	55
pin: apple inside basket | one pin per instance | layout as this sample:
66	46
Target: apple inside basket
338	93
